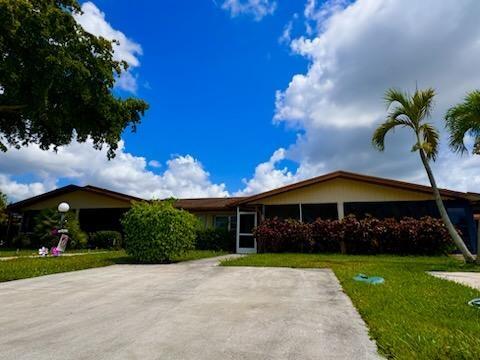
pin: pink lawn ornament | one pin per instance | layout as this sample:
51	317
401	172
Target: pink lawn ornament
54	251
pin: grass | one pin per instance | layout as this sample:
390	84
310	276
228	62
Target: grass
30	252
198	254
25	267
413	315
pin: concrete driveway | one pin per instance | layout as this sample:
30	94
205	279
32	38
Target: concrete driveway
193	310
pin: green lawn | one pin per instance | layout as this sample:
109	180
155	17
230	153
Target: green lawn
413	315
30	252
25	267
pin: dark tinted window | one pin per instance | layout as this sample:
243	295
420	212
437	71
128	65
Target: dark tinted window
282	211
311	212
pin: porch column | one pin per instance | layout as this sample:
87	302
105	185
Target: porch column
340	211
341	215
237	235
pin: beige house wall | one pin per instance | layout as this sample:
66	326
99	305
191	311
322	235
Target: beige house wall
343	190
80	199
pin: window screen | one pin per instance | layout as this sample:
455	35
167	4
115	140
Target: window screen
395	209
282	211
311	212
221	222
233	223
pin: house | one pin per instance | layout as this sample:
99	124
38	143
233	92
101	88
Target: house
331	196
95	208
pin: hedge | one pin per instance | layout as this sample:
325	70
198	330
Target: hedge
105	239
156	232
215	239
425	236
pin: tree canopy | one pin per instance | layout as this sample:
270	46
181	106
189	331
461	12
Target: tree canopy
56	79
410	111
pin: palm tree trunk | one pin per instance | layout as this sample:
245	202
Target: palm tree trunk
467	255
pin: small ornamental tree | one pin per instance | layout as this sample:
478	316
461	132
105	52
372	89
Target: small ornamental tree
156	232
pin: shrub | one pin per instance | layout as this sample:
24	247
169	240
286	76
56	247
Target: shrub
105	239
326	235
215	239
275	235
157	232
23	241
425	236
46	224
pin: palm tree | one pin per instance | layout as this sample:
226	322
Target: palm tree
464	119
410	111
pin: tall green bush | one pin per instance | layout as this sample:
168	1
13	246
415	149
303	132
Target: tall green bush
46	224
156	232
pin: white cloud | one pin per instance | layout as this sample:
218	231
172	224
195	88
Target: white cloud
358	52
267	176
16	190
286	36
154	163
127	81
256	8
80	163
93	21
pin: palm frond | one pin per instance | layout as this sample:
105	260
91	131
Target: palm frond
394	95
378	138
423	102
462	119
431	139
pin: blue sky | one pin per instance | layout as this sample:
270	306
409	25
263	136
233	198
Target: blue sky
211	82
249	95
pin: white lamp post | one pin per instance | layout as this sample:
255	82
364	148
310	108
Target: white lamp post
63	207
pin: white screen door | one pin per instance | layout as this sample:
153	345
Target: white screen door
246	222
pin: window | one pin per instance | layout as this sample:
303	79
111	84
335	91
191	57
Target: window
282	211
233	223
221	222
311	212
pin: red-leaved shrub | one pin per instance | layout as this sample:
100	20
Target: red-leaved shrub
425	236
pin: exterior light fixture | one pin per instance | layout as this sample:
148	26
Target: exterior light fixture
63	207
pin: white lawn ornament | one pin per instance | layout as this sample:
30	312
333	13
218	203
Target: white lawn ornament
43	251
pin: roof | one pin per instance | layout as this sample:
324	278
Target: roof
352	176
71	188
207	204
218	204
